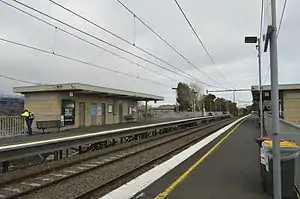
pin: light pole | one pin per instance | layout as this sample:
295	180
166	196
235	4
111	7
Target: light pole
272	31
258	47
176	104
194	100
272	37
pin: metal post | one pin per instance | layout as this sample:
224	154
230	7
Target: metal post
194	102
146	110
275	105
194	108
233	96
203	107
227	107
260	90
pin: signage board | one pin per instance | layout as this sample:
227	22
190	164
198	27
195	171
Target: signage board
68	111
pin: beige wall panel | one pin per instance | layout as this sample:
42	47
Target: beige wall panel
47	106
292	106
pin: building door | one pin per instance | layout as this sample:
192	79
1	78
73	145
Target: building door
103	116
81	114
120	113
94	114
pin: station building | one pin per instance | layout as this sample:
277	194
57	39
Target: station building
289	100
79	105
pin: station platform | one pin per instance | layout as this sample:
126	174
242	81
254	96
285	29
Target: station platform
225	168
230	171
77	131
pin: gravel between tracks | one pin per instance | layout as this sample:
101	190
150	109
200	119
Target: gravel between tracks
4	177
74	186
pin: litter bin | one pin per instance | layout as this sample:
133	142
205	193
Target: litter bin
289	151
259	141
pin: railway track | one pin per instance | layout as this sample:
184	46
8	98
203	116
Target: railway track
27	185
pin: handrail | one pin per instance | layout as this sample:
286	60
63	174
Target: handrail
290	124
37	147
296	126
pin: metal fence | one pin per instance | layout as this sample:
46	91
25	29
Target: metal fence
288	131
11	126
175	115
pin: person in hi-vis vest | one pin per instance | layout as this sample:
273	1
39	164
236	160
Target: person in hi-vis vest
29	119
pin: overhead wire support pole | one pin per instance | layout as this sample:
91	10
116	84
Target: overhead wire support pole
228	90
275	105
278	31
260	89
259	69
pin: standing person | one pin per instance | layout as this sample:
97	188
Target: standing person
29	119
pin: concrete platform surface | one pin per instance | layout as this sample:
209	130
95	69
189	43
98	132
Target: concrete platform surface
231	171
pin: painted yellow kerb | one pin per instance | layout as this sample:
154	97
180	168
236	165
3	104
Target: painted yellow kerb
174	184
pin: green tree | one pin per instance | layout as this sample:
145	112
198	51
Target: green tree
220	105
184	95
233	110
209	102
243	111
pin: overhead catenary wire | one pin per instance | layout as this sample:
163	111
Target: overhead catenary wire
19	80
261	19
164	40
278	31
123	39
200	41
183	73
81	61
69	33
134	43
281	17
86	41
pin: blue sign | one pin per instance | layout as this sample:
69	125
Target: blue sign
94	110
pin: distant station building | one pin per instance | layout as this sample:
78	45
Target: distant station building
289	100
82	105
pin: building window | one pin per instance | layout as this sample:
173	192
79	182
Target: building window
129	110
110	108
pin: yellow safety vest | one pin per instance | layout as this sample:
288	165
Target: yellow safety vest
25	114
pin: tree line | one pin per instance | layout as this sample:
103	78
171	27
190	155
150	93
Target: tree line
192	98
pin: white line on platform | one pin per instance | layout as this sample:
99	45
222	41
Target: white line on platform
136	185
107	132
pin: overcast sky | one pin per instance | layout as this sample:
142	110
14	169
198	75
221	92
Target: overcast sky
220	24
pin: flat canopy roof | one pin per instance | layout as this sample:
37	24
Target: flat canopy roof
267	90
280	87
87	89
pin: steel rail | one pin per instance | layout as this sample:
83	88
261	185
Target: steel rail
99	153
149	163
183	133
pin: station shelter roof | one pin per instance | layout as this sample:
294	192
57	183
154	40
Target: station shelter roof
266	90
87	89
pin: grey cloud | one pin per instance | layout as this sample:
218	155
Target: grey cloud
221	24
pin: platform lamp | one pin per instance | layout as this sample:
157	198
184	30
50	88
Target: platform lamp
194	103
257	41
